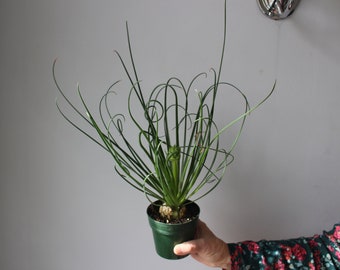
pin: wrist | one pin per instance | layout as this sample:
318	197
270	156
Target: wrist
225	262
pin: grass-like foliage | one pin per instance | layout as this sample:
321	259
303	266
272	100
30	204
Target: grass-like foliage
176	155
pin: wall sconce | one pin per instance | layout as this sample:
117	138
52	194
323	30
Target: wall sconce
278	9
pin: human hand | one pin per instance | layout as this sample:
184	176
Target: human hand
206	248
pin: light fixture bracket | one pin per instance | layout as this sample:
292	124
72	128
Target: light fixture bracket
278	9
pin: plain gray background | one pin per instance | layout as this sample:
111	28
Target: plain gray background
62	207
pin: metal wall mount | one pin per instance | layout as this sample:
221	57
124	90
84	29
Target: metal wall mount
278	9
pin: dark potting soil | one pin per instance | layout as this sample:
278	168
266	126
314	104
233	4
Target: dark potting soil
191	212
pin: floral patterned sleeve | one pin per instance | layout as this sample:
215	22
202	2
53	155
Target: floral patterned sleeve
317	252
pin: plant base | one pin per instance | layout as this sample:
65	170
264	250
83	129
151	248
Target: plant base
167	235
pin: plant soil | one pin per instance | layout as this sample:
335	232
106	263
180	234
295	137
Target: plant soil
191	212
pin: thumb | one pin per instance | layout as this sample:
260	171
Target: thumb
185	248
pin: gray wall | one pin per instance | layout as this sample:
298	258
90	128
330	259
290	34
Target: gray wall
62	207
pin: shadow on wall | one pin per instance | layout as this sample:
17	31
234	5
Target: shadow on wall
318	22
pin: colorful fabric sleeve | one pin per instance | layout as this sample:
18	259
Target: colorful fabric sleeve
317	252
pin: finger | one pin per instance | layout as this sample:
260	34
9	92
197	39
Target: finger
185	248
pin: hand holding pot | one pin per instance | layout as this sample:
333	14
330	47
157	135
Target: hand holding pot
206	248
316	252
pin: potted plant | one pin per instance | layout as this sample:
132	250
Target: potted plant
175	157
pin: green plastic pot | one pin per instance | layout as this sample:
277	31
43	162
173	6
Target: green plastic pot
167	235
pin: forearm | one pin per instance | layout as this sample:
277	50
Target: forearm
312	253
